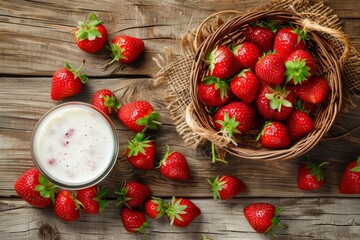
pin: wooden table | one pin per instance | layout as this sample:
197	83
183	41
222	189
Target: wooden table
36	40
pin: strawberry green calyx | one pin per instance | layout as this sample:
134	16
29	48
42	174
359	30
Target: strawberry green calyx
219	84
262	130
275	223
111	103
46	188
302	35
142	228
149	121
138	144
175	209
205	237
272	24
76	72
161	206
277	97
117	53
211	59
357	168
122	198
297	70
163	160
87	29
317	170
229	125
216	187
100	194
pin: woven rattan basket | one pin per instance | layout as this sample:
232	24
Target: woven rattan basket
329	65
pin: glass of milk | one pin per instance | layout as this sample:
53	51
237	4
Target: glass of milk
74	145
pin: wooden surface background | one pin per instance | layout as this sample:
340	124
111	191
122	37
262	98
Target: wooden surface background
36	40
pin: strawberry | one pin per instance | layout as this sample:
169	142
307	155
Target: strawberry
350	180
247	54
311	176
245	86
91	199
174	166
132	194
181	212
270	69
140	152
66	206
134	221
222	62
214	92
300	67
288	40
226	186
105	100
314	91
67	82
35	189
263	217
274	103
274	135
155	207
90	36
299	124
235	117
126	49
262	34
138	116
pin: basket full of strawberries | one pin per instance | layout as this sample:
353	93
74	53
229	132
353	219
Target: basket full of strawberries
266	85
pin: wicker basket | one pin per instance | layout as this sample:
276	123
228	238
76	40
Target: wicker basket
329	65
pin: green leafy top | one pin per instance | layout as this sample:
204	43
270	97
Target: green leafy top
263	130
116	52
269	23
302	35
216	187
277	97
76	72
163	160
87	29
161	206
46	188
111	102
149	121
100	194
297	70
175	209
122	195
357	167
228	126
275	222
219	84
138	144
317	170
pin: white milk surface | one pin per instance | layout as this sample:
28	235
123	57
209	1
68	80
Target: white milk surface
74	144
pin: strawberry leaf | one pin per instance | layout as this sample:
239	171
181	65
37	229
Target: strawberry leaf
175	209
297	71
87	29
356	168
138	144
277	97
228	126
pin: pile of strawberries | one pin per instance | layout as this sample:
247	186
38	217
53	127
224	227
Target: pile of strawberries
267	84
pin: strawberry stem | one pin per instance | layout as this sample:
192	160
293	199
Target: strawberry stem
214	157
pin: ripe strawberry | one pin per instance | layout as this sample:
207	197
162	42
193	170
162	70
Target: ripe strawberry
314	91
287	40
299	124
132	194
226	186
271	69
181	212
126	49
174	166
300	67
140	152
91	199
155	207
235	117
350	180
66	206
138	116
35	189
274	135
90	36
245	86
262	34
105	100
311	176
274	103
134	221
222	62
263	217
214	92
67	82
247	54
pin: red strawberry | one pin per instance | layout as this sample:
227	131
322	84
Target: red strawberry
91	199
274	103
247	54
262	34
132	194
314	91
174	166
67	82
90	36
245	86
134	221
235	117
226	186
155	207
311	176
181	212
140	152
287	40
271	69
350	180
66	206
274	135
105	100
35	189
214	92
263	217
138	116
300	67
299	124
126	49
222	62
